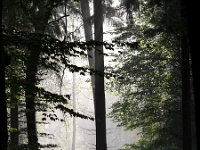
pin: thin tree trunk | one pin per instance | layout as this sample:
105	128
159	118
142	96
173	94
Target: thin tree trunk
85	9
186	97
193	121
100	111
3	107
74	108
30	95
186	88
191	9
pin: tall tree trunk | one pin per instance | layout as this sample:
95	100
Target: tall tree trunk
191	9
100	111
186	97
3	108
193	119
85	9
186	88
14	136
31	80
30	95
74	108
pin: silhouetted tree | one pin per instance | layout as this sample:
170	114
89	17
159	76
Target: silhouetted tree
100	112
3	107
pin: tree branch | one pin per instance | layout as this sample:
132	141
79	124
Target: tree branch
58	19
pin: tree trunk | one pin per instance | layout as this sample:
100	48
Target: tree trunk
85	9
186	97
3	107
74	108
186	88
100	111
31	80
14	137
30	95
39	22
191	9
